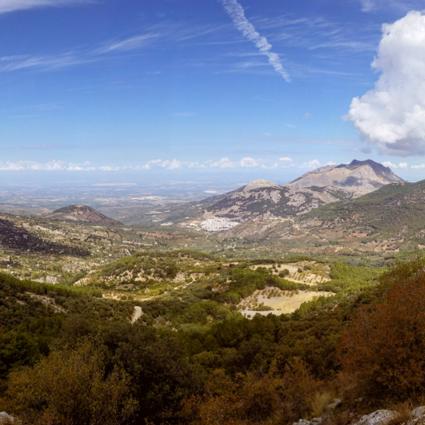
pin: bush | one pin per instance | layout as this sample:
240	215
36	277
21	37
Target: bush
70	388
17	349
253	399
161	375
284	273
383	348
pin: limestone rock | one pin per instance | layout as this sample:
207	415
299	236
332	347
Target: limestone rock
314	421
417	416
379	417
6	419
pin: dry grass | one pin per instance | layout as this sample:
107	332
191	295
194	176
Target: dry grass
404	410
320	402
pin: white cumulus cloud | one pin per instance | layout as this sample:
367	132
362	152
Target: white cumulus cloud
45	166
395	165
237	13
146	166
249	162
168	164
222	163
418	166
312	164
392	114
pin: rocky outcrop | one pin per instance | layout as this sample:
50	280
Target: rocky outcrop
417	416
380	417
314	421
137	314
6	419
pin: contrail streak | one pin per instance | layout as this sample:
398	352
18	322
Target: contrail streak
237	13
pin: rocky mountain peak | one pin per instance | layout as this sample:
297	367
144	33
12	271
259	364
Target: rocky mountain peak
370	162
375	166
259	184
357	178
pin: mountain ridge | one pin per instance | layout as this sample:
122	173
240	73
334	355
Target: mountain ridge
262	199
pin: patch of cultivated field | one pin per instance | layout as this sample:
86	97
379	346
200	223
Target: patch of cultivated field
305	272
276	301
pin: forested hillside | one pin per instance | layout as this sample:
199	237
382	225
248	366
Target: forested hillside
365	348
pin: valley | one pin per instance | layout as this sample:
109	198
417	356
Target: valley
262	282
72	243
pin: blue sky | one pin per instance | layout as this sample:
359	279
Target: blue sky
188	88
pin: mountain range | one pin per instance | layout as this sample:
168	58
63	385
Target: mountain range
362	205
262	199
384	220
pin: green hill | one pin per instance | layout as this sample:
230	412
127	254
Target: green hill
394	210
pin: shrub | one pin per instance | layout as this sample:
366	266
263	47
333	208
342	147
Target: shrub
70	388
284	273
383	348
254	399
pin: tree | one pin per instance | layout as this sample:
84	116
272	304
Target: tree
71	387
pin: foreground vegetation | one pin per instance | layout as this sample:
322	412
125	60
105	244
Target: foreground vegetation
68	356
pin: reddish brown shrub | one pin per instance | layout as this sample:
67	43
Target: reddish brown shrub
383	349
